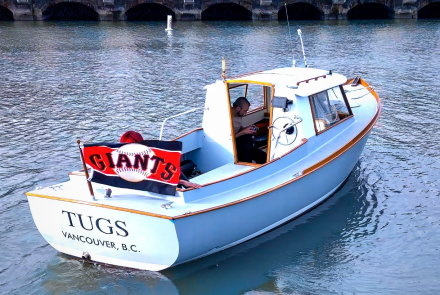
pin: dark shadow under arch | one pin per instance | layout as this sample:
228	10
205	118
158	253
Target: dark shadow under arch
370	10
300	11
430	11
6	14
149	12
70	11
226	11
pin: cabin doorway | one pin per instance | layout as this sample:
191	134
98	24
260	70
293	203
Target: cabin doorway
251	111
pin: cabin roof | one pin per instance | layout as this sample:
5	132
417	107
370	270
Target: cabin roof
307	81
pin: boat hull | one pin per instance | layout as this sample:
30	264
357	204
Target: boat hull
134	240
204	234
108	236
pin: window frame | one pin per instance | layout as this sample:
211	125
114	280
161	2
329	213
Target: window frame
265	106
312	108
246	85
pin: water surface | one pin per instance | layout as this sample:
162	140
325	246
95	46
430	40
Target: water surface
379	234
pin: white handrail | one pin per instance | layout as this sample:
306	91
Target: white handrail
163	123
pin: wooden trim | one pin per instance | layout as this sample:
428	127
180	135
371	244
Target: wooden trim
248	82
253	111
349	81
242	75
366	85
339	122
312	108
231	123
347	104
249	164
183	135
269	134
77	173
235	86
308	170
314	78
99	205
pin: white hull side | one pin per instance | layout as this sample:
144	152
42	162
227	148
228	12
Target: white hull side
159	243
122	238
207	233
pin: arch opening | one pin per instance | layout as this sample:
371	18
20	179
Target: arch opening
430	11
226	11
6	14
149	12
370	10
70	11
300	11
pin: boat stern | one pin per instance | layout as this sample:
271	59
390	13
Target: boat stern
103	233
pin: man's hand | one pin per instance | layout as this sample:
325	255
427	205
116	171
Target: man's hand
247	130
189	184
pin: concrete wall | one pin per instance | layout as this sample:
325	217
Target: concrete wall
110	10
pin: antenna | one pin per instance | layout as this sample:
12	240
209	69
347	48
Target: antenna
302	46
290	34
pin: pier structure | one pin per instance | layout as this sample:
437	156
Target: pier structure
193	10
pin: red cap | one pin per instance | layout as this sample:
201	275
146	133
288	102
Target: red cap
131	137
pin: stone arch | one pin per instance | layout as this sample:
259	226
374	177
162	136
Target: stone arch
300	11
370	10
149	11
227	11
430	10
70	11
6	14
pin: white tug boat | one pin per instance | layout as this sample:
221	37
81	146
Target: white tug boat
313	126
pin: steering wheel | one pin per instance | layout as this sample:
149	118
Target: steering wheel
284	131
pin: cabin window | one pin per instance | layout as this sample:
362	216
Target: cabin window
329	107
255	94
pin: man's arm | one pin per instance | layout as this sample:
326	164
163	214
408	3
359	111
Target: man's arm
189	184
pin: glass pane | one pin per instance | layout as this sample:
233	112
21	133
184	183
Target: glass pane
254	94
338	101
236	92
323	109
329	107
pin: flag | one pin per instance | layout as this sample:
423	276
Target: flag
150	165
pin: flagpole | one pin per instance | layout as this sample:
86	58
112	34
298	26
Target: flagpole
85	170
